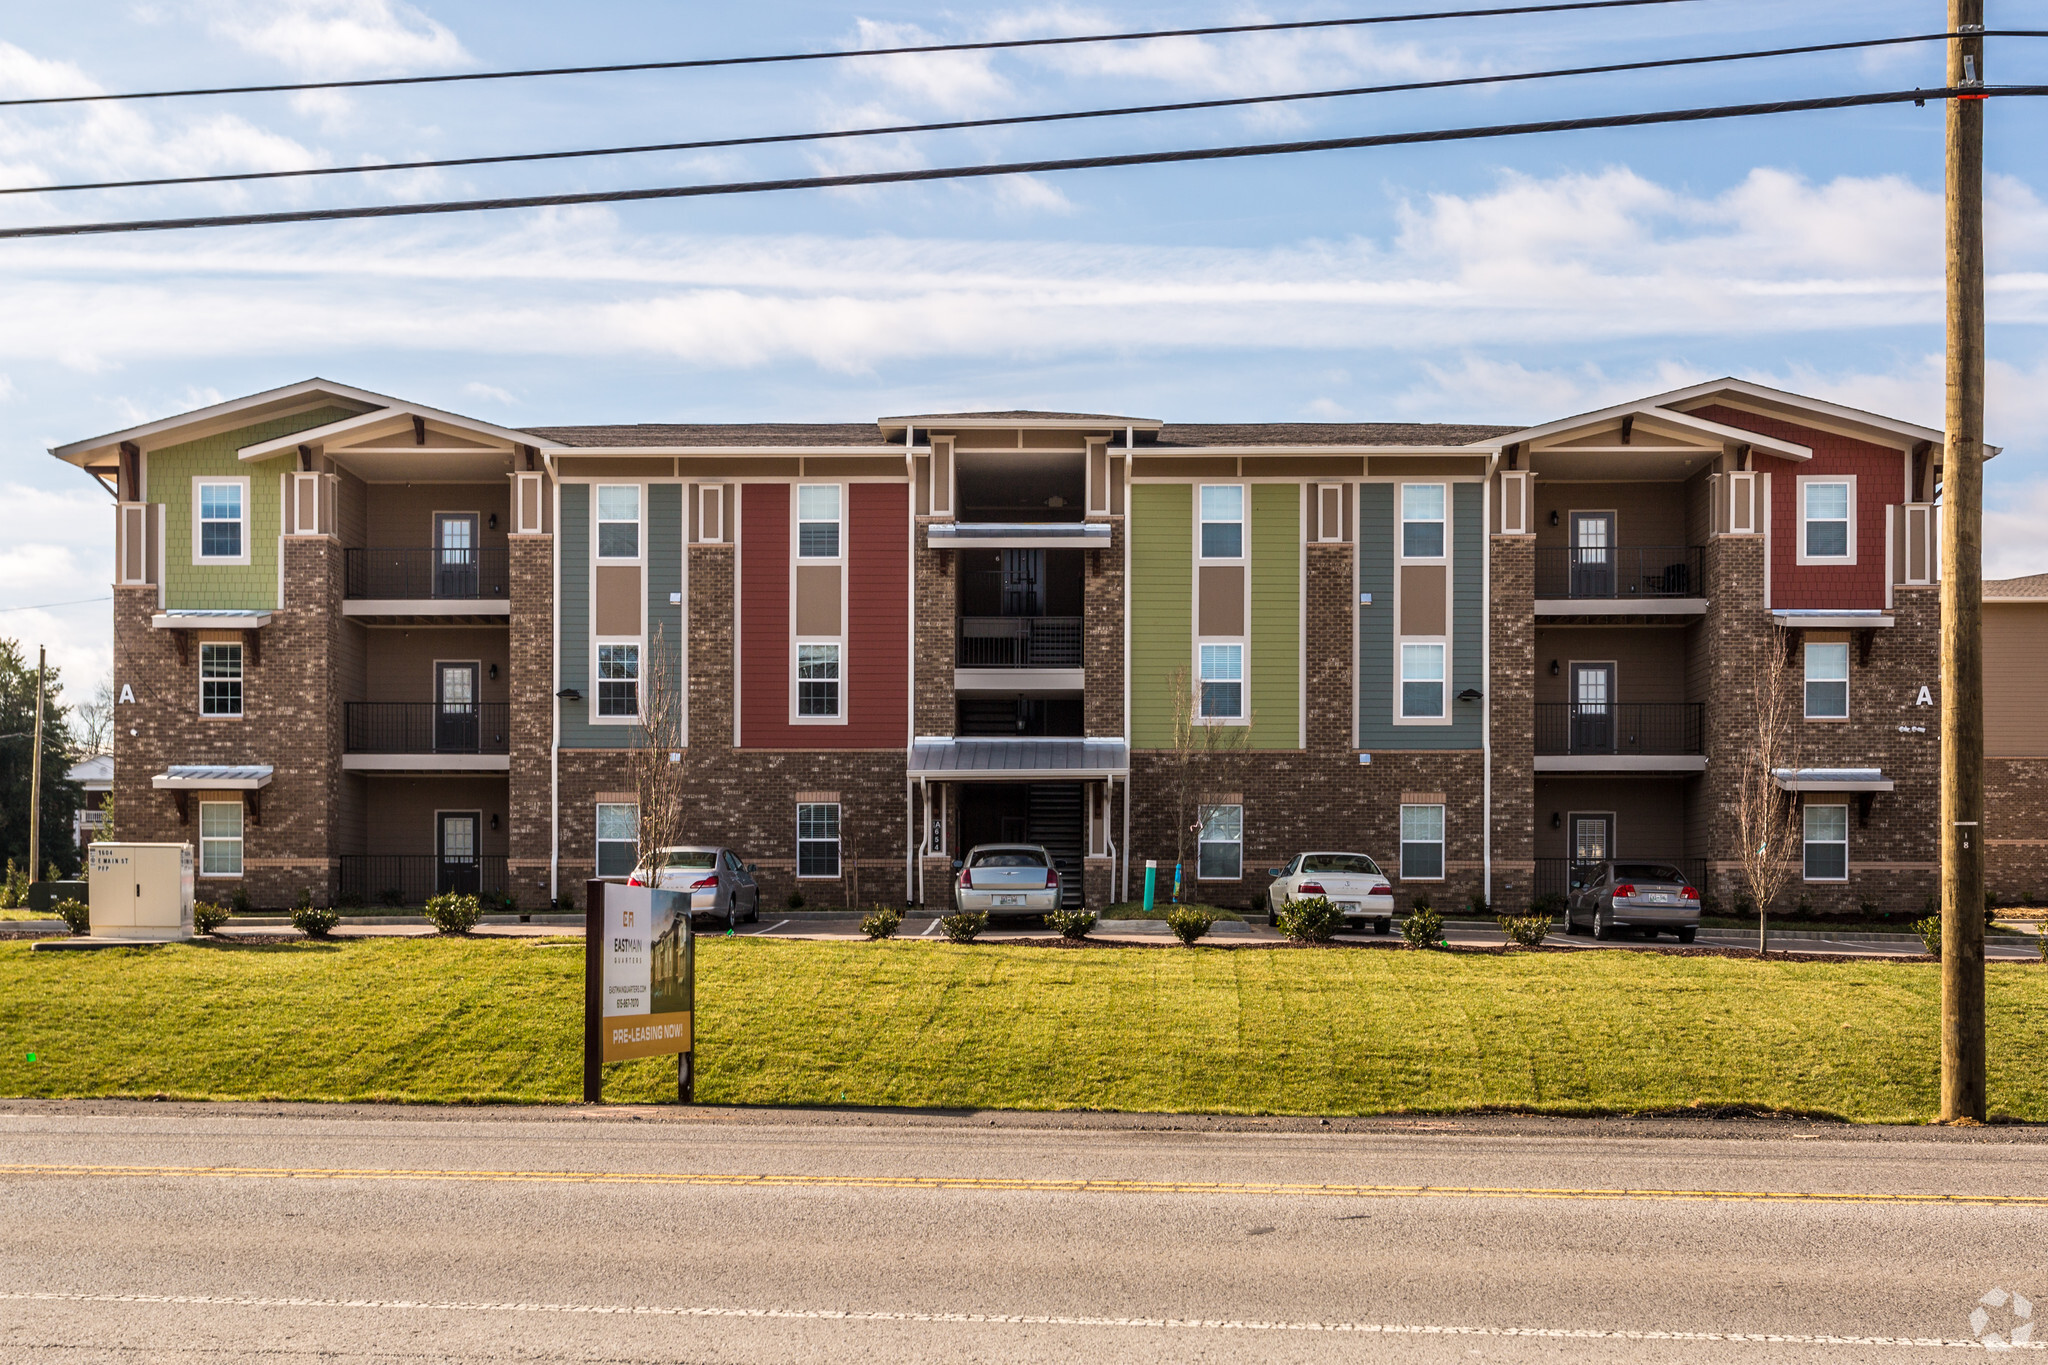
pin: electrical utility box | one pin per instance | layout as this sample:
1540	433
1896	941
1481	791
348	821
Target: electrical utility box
141	891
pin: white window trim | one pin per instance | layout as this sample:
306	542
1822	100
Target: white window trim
1799	555
597	525
1805	843
240	841
1401	522
1442	641
838	842
800	561
1806	679
711	507
795	653
241	676
1244	525
1514	489
240	481
1243	560
596	842
639	678
1200	810
1443	845
796	530
1244	685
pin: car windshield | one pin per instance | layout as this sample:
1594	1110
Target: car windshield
693	859
1647	872
1010	857
1340	862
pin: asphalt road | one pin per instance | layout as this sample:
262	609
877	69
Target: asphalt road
295	1233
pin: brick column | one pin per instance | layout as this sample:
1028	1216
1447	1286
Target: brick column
147	728
295	700
937	608
1511	700
1102	627
1331	649
529	787
1732	635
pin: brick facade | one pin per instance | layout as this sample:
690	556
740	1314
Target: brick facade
529	795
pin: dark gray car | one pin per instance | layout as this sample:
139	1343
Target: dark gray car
1646	897
721	886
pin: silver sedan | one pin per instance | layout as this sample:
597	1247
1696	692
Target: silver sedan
1007	879
1645	897
719	885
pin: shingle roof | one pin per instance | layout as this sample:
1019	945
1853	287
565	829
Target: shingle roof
767	434
1019	414
1326	433
770	435
2033	585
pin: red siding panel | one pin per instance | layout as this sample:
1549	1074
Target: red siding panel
1880	482
876	668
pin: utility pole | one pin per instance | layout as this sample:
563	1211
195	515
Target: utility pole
1962	586
35	777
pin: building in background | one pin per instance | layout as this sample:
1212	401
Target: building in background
2016	739
375	649
95	777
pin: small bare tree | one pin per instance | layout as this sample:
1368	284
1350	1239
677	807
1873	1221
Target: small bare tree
1766	815
92	720
1194	741
660	775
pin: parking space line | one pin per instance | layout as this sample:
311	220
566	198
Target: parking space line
769	930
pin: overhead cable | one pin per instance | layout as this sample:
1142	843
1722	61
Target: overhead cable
820	182
959	124
1005	44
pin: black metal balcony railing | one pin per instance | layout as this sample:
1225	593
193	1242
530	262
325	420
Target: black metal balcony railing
1562	876
1623	572
1677	727
426	727
1019	642
401	879
415	575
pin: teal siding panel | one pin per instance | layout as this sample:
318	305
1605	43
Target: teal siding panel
1468	638
1376	728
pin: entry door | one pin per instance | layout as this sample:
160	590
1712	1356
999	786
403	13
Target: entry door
1592	708
455	710
1023	582
1593	554
1592	847
455	554
458	865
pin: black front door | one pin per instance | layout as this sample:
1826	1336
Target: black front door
1593	554
455	554
457	870
1592	708
455	709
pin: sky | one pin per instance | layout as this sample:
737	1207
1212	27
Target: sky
1512	280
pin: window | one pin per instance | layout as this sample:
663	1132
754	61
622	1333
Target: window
1422	520
1826	534
618	839
1827	843
1827	682
220	838
817	840
1223	682
817	680
1222	521
1422	843
1422	681
817	521
618	521
220	680
618	680
221	510
1219	854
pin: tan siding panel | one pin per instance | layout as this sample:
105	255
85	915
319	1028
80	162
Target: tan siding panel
1222	600
618	599
2015	664
817	599
1425	607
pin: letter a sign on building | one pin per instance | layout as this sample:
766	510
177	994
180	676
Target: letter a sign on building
639	982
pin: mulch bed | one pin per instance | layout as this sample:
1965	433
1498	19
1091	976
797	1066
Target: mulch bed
1394	945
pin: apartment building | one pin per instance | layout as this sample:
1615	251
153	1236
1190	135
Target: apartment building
375	649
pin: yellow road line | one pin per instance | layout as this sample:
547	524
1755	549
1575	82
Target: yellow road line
997	1184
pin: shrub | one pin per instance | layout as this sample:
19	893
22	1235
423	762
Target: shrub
1073	924
1929	930
453	912
1527	930
13	887
207	917
1424	927
1309	920
313	921
1868	909
239	900
392	897
881	922
795	901
1710	904
1806	907
1552	903
76	914
350	900
1477	906
1422	901
963	927
1188	923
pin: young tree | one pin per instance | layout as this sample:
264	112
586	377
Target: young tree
92	721
1766	815
17	755
660	775
1193	742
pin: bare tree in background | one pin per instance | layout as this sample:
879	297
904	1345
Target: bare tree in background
1767	816
92	720
1194	741
660	775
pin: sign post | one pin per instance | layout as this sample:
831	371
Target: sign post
639	983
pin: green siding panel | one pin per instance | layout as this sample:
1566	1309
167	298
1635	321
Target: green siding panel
1376	728
1274	664
1162	606
171	471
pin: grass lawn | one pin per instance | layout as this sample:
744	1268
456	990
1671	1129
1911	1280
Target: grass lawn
920	1023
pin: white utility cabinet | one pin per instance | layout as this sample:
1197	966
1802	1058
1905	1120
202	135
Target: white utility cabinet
141	890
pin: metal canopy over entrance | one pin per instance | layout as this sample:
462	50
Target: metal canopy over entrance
1019	760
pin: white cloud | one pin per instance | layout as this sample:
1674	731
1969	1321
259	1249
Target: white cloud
60	548
478	389
339	37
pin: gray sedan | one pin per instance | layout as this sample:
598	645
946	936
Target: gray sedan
1646	897
719	884
1007	879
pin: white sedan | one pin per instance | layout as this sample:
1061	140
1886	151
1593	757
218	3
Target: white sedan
1352	882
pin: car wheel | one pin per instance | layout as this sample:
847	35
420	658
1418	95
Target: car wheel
1687	935
732	916
1602	932
1383	926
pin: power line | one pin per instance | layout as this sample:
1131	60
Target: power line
992	46
76	601
1025	167
959	124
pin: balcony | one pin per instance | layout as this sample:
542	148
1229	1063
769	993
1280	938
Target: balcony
1018	653
404	736
1620	737
427	586
402	879
1620	580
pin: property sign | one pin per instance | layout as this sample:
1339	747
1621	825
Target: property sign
639	974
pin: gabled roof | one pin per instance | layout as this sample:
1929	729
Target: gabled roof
713	435
2032	588
1657	410
1296	435
1021	417
393	410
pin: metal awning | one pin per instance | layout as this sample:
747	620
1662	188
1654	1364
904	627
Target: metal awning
1832	779
1806	618
1019	760
184	618
1019	535
213	777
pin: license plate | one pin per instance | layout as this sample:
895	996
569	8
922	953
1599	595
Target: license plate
1347	905
1658	898
1008	900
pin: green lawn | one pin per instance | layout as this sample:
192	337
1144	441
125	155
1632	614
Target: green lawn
920	1023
